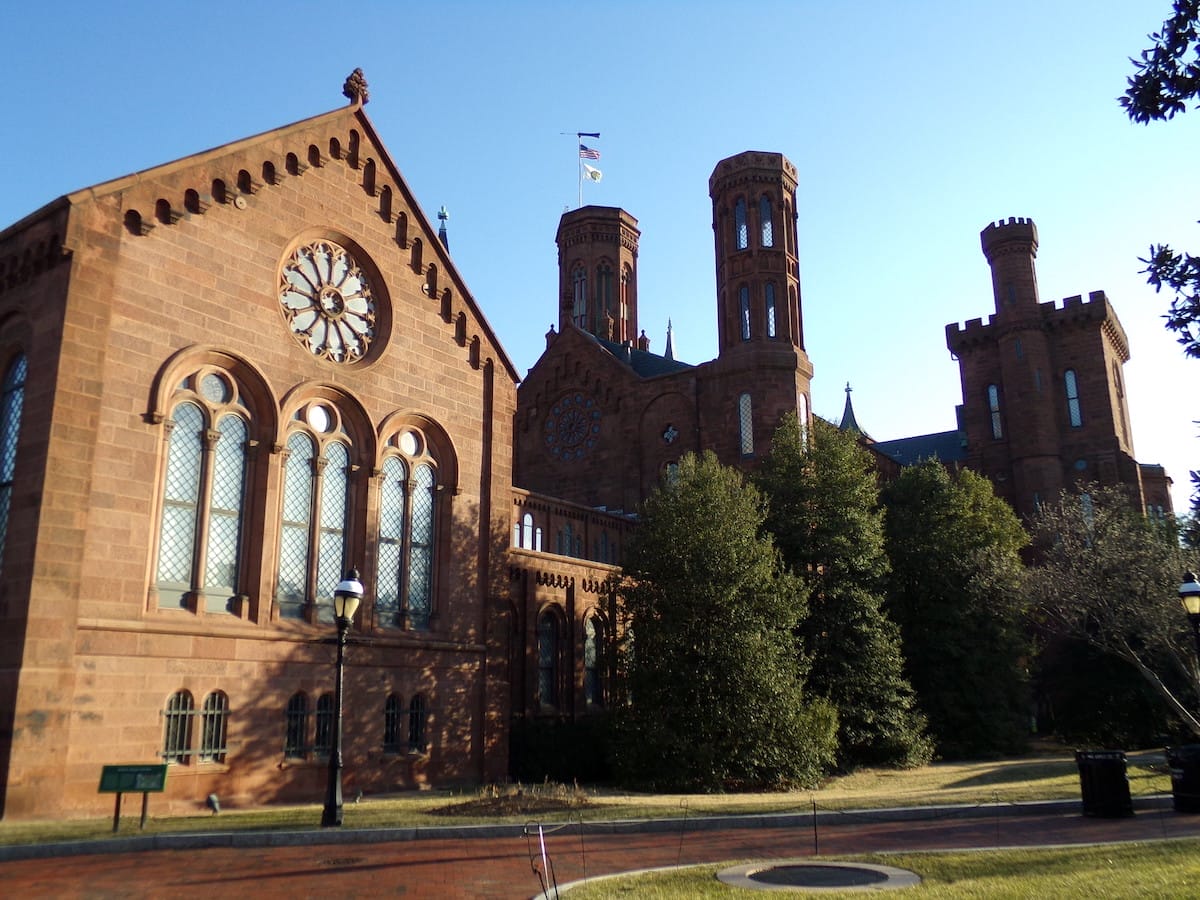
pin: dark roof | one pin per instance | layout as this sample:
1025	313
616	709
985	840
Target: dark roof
644	363
944	446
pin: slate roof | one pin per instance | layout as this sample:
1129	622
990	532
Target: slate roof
644	363
944	446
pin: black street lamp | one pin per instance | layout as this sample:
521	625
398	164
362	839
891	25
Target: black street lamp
1189	596
346	597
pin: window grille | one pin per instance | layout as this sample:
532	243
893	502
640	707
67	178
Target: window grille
295	737
393	716
420	561
417	715
741	232
177	728
323	738
213	727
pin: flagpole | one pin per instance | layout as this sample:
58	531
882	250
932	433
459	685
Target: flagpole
579	166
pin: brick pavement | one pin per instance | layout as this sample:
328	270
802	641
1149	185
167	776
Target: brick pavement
500	866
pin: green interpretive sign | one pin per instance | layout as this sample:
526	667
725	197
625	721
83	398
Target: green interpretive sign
144	778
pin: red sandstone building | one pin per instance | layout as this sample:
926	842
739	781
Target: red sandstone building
231	377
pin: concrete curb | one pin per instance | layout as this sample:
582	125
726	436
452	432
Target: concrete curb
203	840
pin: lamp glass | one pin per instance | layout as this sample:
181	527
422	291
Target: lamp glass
1189	594
346	598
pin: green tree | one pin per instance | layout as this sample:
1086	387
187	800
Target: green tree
955	592
827	522
715	682
1109	576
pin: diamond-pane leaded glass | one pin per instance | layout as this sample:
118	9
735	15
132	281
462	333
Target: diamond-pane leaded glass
741	233
11	404
391	541
746	424
225	514
177	538
292	586
766	230
770	296
332	540
420	562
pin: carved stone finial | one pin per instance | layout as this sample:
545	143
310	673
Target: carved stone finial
356	87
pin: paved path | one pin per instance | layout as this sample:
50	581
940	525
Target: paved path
500	867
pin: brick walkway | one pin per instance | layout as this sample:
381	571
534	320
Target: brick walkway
501	867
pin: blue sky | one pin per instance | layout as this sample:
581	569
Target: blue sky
912	126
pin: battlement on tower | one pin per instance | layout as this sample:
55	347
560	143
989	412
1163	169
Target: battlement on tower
1016	233
1070	311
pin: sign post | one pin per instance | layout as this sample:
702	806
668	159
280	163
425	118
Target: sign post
146	778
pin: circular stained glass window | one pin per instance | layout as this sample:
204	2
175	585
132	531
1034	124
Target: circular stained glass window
327	303
214	388
410	443
319	418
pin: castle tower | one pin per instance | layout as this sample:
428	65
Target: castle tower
597	272
758	272
761	371
1043	394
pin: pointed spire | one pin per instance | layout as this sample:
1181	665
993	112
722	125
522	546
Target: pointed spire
669	352
849	423
356	88
442	235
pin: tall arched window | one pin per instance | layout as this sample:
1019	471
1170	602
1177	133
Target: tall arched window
579	311
802	415
323	735
406	534
604	300
12	402
993	401
200	532
766	230
177	728
547	651
741	231
295	735
769	292
746	425
593	661
1071	385
417	714
393	716
744	311
316	506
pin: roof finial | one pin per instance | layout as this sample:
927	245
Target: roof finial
669	351
442	235
356	88
849	423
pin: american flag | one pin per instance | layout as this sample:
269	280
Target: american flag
586	152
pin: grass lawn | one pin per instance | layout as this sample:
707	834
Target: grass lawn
1161	869
1035	777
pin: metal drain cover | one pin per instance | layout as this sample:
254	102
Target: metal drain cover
793	874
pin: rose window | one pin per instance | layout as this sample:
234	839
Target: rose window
327	303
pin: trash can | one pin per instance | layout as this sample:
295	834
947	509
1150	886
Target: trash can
1104	783
1185	777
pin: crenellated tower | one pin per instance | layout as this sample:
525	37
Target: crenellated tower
597	272
1043	386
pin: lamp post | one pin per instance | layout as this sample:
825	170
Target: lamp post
1189	596
346	597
